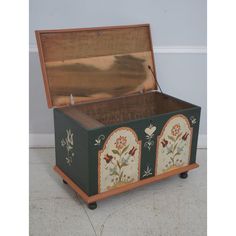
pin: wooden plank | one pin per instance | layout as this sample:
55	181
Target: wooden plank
93	28
89	79
100	196
117	110
43	68
87	121
65	47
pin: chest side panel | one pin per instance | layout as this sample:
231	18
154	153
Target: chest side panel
71	141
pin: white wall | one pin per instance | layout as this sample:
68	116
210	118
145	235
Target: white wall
179	39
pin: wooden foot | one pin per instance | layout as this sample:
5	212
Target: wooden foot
92	205
64	181
184	175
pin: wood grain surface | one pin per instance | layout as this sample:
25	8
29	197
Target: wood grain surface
97	63
131	107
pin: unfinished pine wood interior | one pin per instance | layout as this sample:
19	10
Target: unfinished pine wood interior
87	65
118	110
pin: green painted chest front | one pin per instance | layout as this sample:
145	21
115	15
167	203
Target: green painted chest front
114	131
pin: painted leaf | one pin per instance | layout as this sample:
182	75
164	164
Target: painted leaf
171	138
180	149
178	136
115	151
175	147
124	149
124	164
176	154
168	150
118	164
114	173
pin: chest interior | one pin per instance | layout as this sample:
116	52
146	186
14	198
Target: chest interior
125	109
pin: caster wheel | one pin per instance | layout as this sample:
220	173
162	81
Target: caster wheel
64	181
92	205
183	175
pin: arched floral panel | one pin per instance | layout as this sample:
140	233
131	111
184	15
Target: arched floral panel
119	160
174	144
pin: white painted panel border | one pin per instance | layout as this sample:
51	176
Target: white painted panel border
47	140
163	49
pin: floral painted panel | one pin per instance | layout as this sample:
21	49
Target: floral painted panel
119	160
174	144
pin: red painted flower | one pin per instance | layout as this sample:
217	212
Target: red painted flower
108	158
120	142
175	130
164	142
185	136
132	151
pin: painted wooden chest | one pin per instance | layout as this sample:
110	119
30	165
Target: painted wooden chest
114	129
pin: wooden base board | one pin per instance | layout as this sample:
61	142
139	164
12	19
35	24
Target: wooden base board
100	196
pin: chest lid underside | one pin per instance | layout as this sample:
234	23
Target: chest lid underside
83	65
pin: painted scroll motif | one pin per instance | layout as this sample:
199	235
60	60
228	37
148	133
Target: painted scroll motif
68	144
174	144
119	160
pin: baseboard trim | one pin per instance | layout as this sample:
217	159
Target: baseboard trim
180	49
202	141
47	141
41	140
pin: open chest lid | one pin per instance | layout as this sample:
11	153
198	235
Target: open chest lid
83	65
